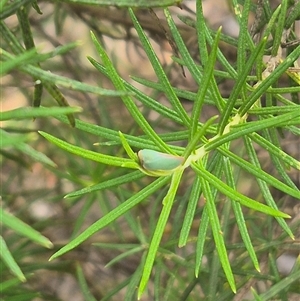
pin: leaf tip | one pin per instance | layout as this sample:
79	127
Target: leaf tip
49	245
53	257
286	215
22	278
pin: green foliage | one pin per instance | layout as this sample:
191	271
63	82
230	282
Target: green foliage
198	203
130	3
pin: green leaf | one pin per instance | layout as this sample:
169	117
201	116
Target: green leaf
8	139
115	182
131	154
83	284
252	127
240	219
28	113
131	106
202	232
18	142
20	227
281	286
134	282
217	232
203	88
28	56
8	259
236	196
61	81
127	3
98	157
35	155
159	230
269	81
145	99
112	216
190	212
240	84
162	77
259	173
279	28
10	8
263	186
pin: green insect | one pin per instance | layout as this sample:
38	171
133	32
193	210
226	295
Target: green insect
157	163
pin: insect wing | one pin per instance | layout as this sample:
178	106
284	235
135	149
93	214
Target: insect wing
153	160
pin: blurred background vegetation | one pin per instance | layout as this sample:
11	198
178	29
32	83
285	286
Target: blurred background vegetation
34	191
